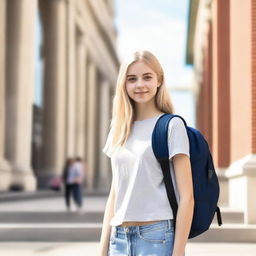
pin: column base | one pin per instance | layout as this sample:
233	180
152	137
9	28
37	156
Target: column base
5	175
23	181
242	189
223	181
103	186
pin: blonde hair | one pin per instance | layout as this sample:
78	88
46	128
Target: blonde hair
123	113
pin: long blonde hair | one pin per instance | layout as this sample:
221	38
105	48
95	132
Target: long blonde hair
123	114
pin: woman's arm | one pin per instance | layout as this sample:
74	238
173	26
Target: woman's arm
106	228
182	169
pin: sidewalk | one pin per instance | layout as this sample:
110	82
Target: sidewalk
92	249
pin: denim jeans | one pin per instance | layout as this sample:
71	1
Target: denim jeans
154	239
76	191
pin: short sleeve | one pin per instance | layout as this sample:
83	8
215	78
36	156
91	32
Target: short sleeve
178	142
107	149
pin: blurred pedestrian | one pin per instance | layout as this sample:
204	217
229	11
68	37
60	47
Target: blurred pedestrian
74	182
68	187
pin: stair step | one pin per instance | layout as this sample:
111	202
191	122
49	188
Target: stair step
228	233
43	194
50	217
230	216
42	232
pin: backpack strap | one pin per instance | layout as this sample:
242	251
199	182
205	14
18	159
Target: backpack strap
169	187
160	134
219	219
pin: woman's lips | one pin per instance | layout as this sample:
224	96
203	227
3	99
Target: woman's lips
140	92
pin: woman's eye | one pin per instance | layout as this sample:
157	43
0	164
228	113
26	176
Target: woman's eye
147	77
131	79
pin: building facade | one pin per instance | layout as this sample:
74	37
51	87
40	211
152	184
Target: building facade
221	47
80	67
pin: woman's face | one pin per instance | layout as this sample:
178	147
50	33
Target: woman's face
141	82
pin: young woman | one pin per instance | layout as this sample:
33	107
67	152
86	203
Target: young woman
138	219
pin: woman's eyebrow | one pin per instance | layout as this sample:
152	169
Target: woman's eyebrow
143	74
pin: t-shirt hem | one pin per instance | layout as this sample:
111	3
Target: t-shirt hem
119	222
178	152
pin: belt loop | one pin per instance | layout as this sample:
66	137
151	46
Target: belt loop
169	224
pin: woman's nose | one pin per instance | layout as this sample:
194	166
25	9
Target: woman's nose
139	83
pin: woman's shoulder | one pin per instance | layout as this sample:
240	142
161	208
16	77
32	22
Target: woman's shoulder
176	126
176	122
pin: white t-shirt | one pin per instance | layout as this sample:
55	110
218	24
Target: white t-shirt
137	175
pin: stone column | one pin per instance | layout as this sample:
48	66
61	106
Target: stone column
71	79
5	174
80	96
92	117
104	176
223	94
21	20
54	104
251	209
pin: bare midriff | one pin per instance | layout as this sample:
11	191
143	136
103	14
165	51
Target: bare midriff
137	223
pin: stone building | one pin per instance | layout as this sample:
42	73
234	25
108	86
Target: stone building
221	46
80	70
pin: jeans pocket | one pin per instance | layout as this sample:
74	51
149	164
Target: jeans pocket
153	235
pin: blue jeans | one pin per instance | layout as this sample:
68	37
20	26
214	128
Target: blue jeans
76	191
154	239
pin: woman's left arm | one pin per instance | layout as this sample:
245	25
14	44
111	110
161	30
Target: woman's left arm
182	169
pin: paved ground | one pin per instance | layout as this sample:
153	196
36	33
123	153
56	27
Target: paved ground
85	249
94	204
91	204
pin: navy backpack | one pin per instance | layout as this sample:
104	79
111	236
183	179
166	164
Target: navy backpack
205	180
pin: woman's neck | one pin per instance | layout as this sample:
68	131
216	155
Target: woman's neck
141	115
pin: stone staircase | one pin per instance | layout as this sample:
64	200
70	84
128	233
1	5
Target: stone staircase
50	226
42	217
31	220
233	229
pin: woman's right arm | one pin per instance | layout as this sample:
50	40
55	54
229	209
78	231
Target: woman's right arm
106	228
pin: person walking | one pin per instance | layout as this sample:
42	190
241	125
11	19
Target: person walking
138	218
73	176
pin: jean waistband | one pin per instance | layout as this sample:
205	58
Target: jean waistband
168	224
